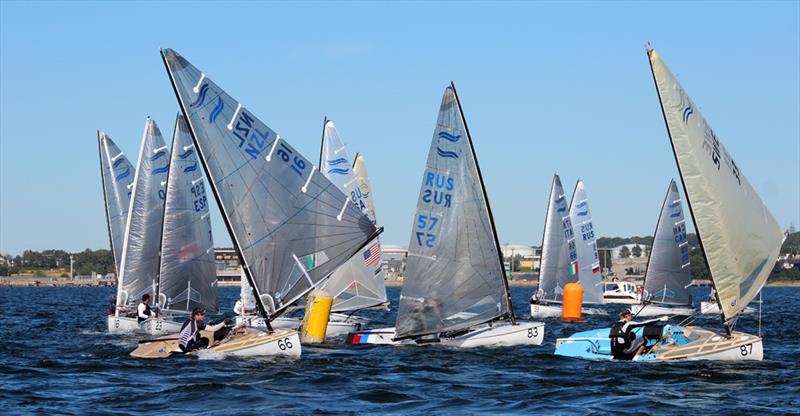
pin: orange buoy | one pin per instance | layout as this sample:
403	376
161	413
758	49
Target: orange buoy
573	302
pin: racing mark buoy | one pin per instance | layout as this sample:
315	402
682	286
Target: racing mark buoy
573	302
315	320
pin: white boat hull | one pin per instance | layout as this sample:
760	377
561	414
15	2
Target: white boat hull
711	308
122	325
337	327
281	342
545	311
656	310
159	326
496	335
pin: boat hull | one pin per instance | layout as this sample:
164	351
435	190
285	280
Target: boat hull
678	343
545	311
159	326
122	325
656	310
496	335
338	325
241	342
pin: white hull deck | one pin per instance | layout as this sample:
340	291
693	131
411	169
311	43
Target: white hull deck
656	310
241	342
545	311
122	325
495	335
159	326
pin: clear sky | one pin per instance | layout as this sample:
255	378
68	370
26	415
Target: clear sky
546	87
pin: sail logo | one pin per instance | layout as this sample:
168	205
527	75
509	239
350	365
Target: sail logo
216	111
445	153
439	190
201	97
190	168
676	214
158	155
687	112
123	175
582	213
163	169
252	140
117	163
450	137
186	154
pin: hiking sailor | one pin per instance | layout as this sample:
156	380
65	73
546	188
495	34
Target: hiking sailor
624	344
190	338
143	311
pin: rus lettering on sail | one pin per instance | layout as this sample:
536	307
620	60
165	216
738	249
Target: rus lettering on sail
439	189
251	140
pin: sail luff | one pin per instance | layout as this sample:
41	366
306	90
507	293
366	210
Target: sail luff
488	206
746	237
553	244
104	165
213	184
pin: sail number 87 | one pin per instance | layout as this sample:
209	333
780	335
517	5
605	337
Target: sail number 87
427	223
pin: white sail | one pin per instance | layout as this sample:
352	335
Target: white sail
116	173
362	178
357	284
139	267
187	276
585	263
290	225
555	242
668	276
738	235
455	277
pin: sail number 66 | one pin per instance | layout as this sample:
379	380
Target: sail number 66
284	344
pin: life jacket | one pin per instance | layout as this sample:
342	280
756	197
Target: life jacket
189	331
621	338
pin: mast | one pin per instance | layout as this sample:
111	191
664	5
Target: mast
544	232
683	183
245	267
164	211
322	143
488	207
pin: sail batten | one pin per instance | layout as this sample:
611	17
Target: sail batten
454	277
271	208
739	237
140	253
359	283
668	277
187	270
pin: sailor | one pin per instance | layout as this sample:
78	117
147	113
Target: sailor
143	311
624	344
190	338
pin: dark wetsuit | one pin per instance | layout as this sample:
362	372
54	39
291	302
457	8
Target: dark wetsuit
624	343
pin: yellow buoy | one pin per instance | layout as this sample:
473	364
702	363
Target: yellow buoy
573	302
315	320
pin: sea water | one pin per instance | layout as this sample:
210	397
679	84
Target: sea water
56	358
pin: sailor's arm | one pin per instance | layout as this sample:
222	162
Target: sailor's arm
633	324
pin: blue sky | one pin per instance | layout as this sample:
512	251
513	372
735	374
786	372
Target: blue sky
546	87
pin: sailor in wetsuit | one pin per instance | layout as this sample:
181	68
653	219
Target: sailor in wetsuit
190	338
624	344
143	311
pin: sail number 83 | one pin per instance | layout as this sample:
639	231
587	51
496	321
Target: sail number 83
426	223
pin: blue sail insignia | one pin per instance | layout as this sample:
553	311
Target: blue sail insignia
158	155
444	153
123	175
186	154
675	214
200	98
339	171
337	161
581	204
190	168
217	110
117	163
164	169
583	213
451	137
687	112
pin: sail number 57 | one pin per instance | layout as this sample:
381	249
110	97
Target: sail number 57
426	222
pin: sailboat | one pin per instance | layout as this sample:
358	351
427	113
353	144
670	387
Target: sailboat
138	270
668	279
455	291
364	186
187	276
739	237
116	174
290	226
560	249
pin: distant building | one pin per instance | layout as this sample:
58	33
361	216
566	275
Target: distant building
393	260
531	256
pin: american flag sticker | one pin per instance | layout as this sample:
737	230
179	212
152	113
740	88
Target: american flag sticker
372	255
